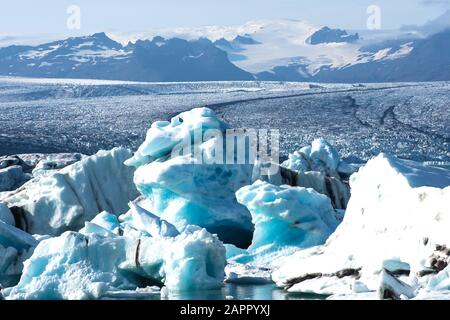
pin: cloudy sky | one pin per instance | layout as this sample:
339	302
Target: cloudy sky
27	17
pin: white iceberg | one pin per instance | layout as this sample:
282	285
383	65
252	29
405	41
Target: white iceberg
53	162
163	136
319	156
320	167
12	177
64	200
397	219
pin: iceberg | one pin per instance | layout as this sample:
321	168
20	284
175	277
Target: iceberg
319	156
15	247
12	177
53	162
286	219
164	136
287	216
6	215
320	167
106	259
145	221
52	204
397	219
186	190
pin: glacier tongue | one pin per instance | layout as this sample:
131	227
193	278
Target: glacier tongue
398	216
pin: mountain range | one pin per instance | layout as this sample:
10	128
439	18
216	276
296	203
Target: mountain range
275	50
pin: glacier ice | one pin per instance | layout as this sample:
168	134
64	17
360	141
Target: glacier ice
286	219
52	162
163	136
320	167
15	247
319	156
52	204
397	218
6	215
145	221
333	187
287	216
393	288
186	190
103	259
11	236
12	177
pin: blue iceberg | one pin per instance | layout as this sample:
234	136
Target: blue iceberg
107	256
287	216
186	190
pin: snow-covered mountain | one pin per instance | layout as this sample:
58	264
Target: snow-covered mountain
99	57
279	50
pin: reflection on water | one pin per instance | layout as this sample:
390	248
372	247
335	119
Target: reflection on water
243	292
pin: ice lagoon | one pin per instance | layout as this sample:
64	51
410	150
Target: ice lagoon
340	219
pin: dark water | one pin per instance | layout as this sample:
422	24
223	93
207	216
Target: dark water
232	291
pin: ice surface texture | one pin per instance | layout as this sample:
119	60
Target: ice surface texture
287	216
186	190
64	200
319	156
397	219
107	256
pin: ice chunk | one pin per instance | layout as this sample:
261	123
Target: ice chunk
324	156
12	237
12	178
11	264
64	200
333	187
100	263
320	156
145	221
53	162
185	190
15	247
287	216
398	212
6	215
184	193
104	224
163	136
72	266
320	167
247	274
108	221
195	261
393	288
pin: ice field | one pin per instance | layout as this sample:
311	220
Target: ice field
410	120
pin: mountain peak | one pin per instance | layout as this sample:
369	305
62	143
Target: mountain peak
328	35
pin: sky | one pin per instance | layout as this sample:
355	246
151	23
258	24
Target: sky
29	17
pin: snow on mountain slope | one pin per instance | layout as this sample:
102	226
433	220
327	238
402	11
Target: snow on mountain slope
278	43
99	57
